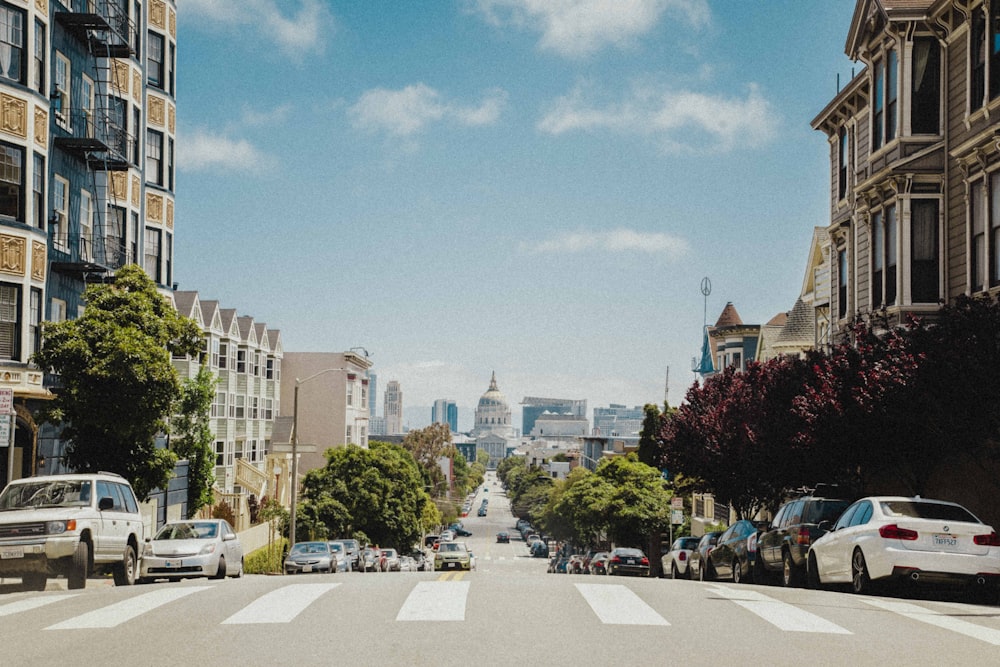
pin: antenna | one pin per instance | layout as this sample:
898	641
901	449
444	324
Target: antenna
666	388
706	289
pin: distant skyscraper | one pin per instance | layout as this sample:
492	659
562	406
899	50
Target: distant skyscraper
445	411
618	420
373	395
393	408
534	407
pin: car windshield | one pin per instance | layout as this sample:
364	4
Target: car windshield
336	546
310	548
628	552
452	546
925	510
688	543
824	510
188	530
49	493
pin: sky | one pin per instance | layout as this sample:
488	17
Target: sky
534	188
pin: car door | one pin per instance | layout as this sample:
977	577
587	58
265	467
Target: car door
833	557
111	542
230	547
769	545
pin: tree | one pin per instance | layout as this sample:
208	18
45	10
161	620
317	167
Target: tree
427	446
638	505
649	435
117	384
192	437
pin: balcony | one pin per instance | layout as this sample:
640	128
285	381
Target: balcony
86	256
103	25
102	144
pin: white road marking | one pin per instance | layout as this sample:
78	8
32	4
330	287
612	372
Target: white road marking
435	601
944	621
780	614
615	604
116	614
31	603
281	605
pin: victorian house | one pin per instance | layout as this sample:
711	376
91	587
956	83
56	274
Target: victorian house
915	159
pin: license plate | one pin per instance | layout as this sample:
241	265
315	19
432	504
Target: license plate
307	568
172	563
945	540
11	552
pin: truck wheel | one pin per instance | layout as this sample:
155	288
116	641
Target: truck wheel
125	571
79	567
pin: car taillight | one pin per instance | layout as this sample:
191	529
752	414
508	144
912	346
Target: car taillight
682	556
645	561
894	532
803	538
991	540
616	559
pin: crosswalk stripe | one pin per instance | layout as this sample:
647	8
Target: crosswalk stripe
780	614
116	614
435	601
281	605
615	604
944	621
31	603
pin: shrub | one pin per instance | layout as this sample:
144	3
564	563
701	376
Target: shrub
266	560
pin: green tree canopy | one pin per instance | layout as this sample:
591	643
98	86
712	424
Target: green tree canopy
192	437
117	386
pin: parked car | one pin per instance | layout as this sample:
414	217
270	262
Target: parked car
429	540
370	560
353	550
734	555
891	539
388	560
599	563
558	563
699	555
587	557
341	559
625	560
675	562
575	564
305	557
785	543
540	549
447	535
91	521
195	548
452	555
503	537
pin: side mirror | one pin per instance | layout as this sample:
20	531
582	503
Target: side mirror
229	536
105	503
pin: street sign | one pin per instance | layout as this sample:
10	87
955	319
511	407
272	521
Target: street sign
6	400
677	517
677	503
4	430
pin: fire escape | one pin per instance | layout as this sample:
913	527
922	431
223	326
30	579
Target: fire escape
96	133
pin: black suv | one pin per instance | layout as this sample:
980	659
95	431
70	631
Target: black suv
784	545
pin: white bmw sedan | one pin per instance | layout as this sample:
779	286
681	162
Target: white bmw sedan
888	538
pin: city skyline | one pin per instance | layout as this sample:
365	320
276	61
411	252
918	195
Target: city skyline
500	185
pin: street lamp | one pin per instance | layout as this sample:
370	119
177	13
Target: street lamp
295	447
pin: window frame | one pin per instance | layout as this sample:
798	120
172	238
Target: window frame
10	320
21	48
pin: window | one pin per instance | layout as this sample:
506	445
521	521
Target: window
135	237
223	355
11	181
884	98
842	173
994	50
116	231
884	258
154	157
977	262
171	64
60	96
59	225
241	402
117	126
241	361
977	55
170	164
134	136
220	453
35	326
87	104
168	260
268	409
350	393
12	43
254	407
219	404
924	269
151	249
10	311
86	226
154	60
925	116
348	435
842	283
38	190
38	63
57	311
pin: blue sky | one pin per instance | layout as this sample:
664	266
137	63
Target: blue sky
535	187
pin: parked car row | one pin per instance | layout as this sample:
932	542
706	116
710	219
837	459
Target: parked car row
618	561
870	544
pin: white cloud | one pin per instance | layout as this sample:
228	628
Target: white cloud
201	151
408	111
575	28
612	241
680	119
296	33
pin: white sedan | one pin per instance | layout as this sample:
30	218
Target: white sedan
195	548
890	538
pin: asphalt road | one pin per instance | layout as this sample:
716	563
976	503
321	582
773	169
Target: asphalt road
507	612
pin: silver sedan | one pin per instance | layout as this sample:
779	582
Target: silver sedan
195	548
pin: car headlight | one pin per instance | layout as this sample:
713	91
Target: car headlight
207	549
59	527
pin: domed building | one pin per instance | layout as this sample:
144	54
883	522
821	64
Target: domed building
493	432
